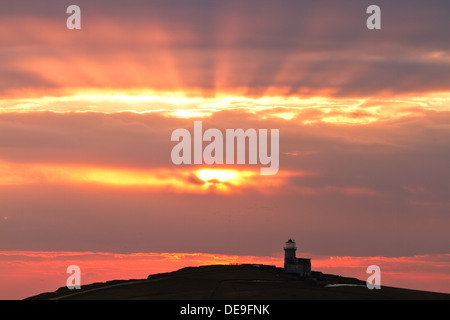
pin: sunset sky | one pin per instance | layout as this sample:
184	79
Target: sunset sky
86	118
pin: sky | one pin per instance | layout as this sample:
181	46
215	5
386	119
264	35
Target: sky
86	118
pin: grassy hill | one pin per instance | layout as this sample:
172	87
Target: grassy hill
235	282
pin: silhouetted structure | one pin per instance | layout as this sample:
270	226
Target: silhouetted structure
299	266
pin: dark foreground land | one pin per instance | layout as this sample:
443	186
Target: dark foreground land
235	282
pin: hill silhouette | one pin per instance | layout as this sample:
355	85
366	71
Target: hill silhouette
235	282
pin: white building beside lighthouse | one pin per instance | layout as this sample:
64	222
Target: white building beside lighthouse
298	266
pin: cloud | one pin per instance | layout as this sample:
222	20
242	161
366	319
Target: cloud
257	48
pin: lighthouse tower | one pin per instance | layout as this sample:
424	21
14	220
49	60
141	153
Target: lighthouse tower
289	252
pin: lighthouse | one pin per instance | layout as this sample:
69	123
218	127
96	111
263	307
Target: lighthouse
294	265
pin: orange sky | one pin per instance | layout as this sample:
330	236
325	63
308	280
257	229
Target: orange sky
86	118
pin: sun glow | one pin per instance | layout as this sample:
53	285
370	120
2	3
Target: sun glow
209	175
176	180
226	180
307	110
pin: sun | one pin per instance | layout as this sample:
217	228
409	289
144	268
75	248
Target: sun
210	175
